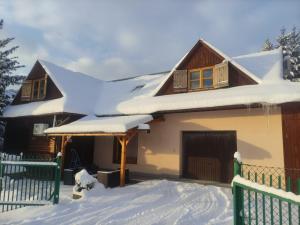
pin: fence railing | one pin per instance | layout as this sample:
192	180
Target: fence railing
258	199
282	178
28	183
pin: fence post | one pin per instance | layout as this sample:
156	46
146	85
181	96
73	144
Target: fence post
238	194
0	175
237	170
57	179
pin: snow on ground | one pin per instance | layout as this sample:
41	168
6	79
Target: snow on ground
150	202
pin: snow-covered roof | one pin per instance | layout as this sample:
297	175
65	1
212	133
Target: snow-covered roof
241	95
78	90
266	65
232	61
272	89
115	92
89	96
93	124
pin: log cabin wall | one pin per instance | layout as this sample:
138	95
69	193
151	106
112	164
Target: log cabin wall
203	56
38	72
19	134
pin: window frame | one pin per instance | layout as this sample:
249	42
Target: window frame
40	96
201	78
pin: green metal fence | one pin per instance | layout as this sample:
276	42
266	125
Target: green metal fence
26	181
260	204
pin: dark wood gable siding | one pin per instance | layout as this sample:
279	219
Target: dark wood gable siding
202	55
290	132
37	72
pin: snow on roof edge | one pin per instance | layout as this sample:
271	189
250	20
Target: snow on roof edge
255	54
94	124
230	59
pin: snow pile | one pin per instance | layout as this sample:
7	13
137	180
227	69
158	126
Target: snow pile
84	180
151	202
238	157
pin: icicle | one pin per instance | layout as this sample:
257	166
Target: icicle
267	109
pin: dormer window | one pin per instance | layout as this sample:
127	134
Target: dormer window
39	89
34	90
204	78
201	78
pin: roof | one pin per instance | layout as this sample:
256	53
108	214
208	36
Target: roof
93	124
115	92
76	99
267	65
137	95
241	95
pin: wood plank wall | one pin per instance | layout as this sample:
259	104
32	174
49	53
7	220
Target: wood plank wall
202	56
291	134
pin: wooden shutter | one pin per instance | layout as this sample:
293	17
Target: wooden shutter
180	79
26	90
220	75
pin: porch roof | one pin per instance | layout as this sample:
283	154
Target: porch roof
92	125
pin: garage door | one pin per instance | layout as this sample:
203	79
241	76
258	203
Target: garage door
208	155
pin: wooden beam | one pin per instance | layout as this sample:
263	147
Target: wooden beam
123	160
124	140
88	134
64	141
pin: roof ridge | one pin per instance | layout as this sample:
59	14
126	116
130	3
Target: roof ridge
261	53
76	72
129	78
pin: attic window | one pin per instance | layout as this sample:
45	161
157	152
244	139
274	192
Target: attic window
33	90
39	89
138	87
209	77
201	78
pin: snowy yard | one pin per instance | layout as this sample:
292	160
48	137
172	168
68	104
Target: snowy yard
150	202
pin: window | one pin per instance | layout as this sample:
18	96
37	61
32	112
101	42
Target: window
208	78
131	154
201	78
33	90
39	89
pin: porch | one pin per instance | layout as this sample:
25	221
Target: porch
121	128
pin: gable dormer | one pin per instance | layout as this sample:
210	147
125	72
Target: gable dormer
203	69
38	86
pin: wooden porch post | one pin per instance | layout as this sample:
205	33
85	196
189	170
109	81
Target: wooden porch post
64	141
123	141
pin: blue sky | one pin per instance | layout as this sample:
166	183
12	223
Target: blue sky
114	39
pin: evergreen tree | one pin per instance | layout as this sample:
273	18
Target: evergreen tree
8	65
290	43
268	45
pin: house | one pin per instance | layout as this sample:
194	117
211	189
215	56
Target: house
187	122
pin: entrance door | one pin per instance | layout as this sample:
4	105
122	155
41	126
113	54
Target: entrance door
208	155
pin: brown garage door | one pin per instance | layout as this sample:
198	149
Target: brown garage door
207	155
